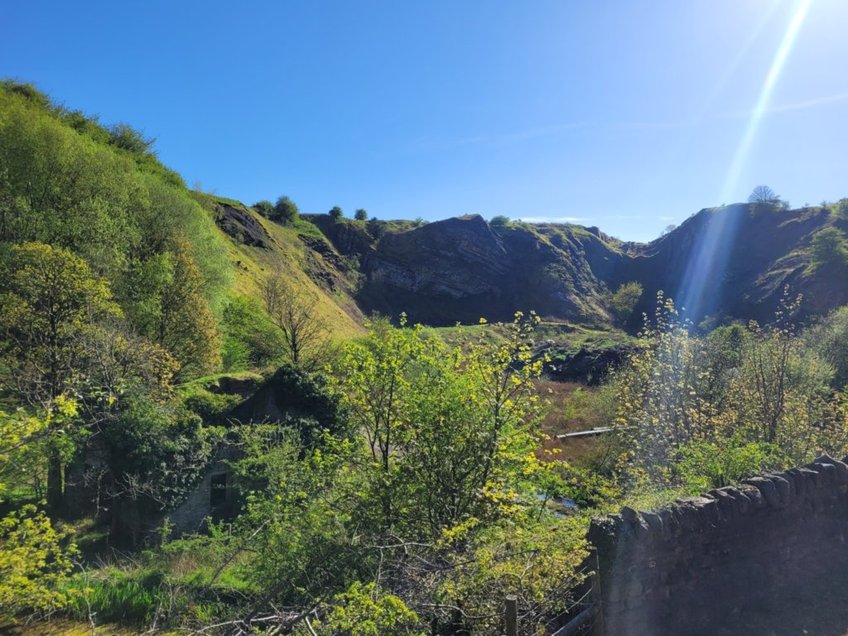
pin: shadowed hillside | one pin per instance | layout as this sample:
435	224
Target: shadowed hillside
739	257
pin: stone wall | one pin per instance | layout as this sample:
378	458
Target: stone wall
685	568
194	512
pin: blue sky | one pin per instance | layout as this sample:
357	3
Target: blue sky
625	115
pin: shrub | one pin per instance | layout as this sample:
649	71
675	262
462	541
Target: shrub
265	208
705	465
829	246
285	211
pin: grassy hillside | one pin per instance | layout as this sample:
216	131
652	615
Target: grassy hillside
101	194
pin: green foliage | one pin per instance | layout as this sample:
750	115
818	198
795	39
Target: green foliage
336	213
61	188
537	560
623	301
186	326
364	610
126	137
33	562
499	221
50	299
361	215
64	183
704	465
829	247
285	211
174	220
157	451
209	406
757	393
401	388
830	340
114	596
265	208
251	339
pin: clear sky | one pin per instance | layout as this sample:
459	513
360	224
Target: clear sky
629	115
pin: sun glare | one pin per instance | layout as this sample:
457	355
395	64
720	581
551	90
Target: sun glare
764	99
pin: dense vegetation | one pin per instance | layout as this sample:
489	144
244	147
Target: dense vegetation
398	482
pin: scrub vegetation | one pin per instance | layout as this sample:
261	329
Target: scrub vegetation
364	475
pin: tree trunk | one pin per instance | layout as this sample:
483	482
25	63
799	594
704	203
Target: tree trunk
54	482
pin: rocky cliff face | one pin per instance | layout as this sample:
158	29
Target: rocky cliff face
731	262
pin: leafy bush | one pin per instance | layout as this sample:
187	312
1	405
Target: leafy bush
285	211
265	208
701	466
623	301
364	610
33	563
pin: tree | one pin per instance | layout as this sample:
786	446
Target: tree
499	221
187	327
764	196
285	211
51	302
336	213
128	138
360	215
623	301
449	430
292	309
50	298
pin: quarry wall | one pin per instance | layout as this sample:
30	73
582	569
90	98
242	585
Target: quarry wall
681	569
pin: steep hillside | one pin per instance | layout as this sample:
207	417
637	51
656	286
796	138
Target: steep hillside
183	268
461	269
101	193
724	263
735	262
255	246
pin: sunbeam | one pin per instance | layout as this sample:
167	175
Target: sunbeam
708	259
762	105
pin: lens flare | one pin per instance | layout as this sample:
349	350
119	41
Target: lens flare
701	282
764	98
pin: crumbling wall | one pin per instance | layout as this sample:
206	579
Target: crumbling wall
681	569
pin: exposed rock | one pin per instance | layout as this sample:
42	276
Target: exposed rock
462	269
241	226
